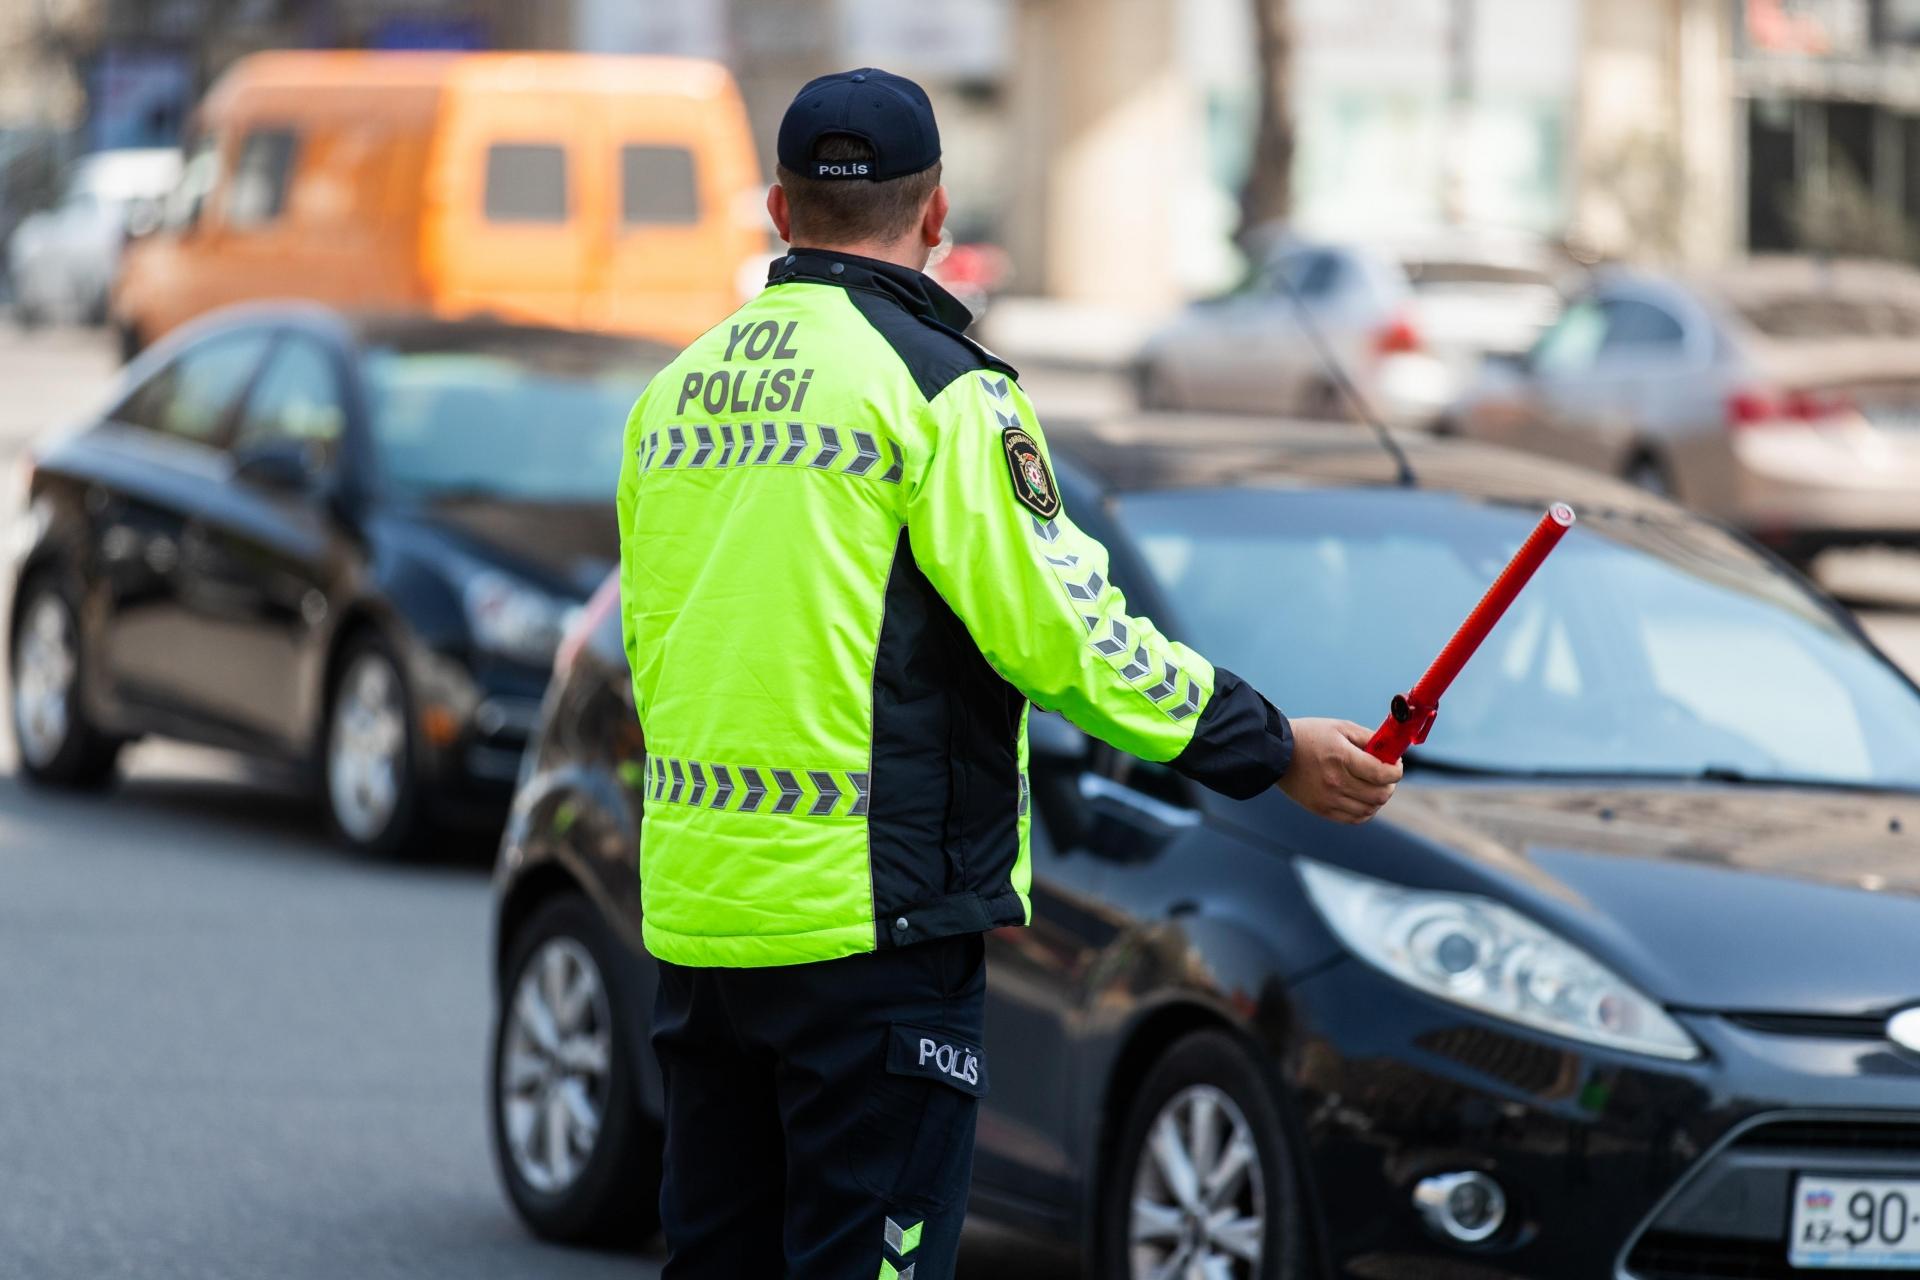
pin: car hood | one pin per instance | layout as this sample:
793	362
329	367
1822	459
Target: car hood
1711	896
566	546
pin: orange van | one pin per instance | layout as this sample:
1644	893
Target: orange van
614	193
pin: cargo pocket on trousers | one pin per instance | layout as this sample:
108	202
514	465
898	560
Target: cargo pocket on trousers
913	1147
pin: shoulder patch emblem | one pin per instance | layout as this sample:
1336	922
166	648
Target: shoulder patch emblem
1032	480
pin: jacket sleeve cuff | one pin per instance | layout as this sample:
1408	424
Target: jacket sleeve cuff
1242	743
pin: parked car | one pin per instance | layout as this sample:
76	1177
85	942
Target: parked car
1409	321
62	260
583	191
1782	396
346	543
1621	984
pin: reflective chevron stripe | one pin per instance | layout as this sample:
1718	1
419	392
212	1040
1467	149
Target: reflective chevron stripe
722	787
829	793
770	439
809	793
829	449
1116	638
756	790
704	446
797	443
704	434
865	454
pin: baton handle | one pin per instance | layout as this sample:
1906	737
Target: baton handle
1412	713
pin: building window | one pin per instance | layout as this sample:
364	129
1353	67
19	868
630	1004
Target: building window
656	186
526	182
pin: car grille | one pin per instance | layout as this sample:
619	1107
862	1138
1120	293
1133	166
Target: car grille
1669	1250
1867	1027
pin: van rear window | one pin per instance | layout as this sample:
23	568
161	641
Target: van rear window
656	185
526	182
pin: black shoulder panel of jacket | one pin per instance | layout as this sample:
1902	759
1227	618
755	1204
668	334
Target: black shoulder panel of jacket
1242	743
935	354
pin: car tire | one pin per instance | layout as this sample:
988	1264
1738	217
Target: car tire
1205	1073
57	744
609	1193
369	779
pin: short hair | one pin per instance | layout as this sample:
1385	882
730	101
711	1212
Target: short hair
850	210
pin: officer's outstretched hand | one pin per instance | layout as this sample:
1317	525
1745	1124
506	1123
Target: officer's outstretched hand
1332	775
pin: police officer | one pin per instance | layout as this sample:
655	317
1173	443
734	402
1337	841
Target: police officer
846	572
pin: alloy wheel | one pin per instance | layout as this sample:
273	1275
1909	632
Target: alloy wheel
46	662
556	1072
1199	1207
366	751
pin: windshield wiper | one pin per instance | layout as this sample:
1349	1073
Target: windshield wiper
1422	762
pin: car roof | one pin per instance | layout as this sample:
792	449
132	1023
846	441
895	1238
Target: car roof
1140	454
409	331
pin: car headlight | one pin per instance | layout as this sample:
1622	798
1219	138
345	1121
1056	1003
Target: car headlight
515	620
1476	952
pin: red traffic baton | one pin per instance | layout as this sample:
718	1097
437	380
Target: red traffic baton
1412	714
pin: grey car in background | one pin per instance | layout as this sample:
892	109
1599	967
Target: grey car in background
1781	395
1409	320
62	260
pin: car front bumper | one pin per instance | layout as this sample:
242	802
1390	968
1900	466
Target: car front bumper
1615	1166
473	723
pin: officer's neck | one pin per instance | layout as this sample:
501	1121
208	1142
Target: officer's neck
905	252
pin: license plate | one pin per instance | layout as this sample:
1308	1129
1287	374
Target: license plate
1866	1223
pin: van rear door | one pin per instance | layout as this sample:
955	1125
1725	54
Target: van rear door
680	169
508	229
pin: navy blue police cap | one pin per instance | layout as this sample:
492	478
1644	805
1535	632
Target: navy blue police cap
890	113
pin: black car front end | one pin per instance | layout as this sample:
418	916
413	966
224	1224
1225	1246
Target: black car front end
1606	1165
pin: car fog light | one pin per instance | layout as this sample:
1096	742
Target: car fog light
1467	1207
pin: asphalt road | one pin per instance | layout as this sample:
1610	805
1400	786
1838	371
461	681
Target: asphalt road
229	1050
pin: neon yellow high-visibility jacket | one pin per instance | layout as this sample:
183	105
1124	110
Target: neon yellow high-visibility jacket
845	571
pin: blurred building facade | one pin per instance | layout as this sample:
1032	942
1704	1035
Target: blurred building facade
1830	91
1104	142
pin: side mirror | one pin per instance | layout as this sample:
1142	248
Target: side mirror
143	218
282	466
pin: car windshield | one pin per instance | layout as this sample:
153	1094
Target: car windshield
533	426
1655	646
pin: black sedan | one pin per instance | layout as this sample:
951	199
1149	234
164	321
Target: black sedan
347	544
1624	983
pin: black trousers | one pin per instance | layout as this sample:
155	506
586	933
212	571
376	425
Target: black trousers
820	1117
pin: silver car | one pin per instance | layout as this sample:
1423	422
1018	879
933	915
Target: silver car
1408	320
1782	396
62	260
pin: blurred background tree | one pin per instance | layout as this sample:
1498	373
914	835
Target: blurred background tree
1268	194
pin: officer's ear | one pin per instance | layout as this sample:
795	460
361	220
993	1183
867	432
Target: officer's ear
934	218
778	210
